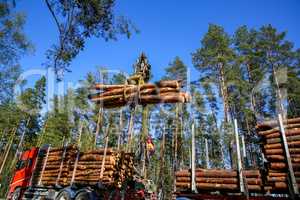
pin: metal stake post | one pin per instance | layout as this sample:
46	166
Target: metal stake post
130	128
75	166
239	161
294	190
61	164
244	147
44	165
206	154
8	150
194	189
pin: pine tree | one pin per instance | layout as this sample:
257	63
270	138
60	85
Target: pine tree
57	125
14	45
31	104
178	70
277	55
293	87
213	58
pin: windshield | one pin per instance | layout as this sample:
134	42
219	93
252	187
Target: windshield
21	164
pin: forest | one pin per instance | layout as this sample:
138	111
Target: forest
250	75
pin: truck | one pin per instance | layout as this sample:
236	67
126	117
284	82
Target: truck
26	182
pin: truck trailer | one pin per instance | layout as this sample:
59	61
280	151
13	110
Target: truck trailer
67	173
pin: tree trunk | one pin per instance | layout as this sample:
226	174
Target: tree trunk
99	124
224	92
176	137
144	138
120	128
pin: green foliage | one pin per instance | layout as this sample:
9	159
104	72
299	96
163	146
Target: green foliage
79	20
31	102
251	71
213	59
13	45
177	70
58	126
215	50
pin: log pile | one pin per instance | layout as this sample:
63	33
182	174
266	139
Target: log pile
59	170
277	171
218	180
111	96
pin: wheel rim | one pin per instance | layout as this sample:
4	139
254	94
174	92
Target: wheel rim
83	196
62	198
16	195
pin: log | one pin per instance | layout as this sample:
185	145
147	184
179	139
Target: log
170	98
95	157
277	174
280	151
70	147
251	173
93	182
272	123
109	151
110	101
169	83
297	174
93	172
95	178
293	144
276	178
277	130
210	186
254	181
253	188
281	158
222	173
282	165
288	132
278	140
208	180
84	167
209	174
250	181
110	87
132	91
275	157
280	185
163	83
108	161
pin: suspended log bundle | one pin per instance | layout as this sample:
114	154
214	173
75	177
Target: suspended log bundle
62	167
276	178
111	96
218	180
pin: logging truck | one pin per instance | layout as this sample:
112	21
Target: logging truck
39	174
277	179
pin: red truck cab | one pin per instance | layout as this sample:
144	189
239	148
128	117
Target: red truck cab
23	171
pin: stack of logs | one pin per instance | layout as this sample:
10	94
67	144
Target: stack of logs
111	96
218	180
277	171
59	168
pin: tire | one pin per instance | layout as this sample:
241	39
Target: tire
83	196
16	195
63	195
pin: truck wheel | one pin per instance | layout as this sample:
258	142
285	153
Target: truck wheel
64	195
16	194
83	196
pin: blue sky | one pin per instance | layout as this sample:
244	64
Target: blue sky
168	28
